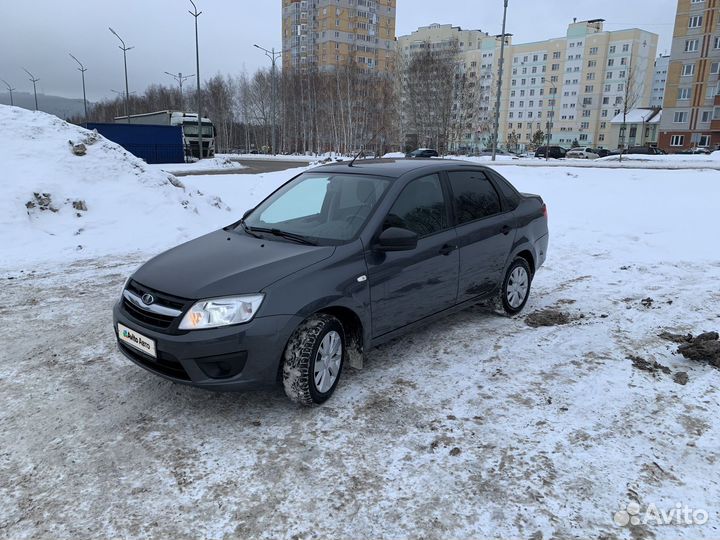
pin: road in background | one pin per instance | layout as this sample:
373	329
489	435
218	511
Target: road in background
251	167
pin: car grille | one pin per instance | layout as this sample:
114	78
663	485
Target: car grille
156	320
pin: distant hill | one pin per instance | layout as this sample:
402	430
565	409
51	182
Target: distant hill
59	106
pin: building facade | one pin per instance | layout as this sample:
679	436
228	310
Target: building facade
691	106
637	127
572	85
662	63
478	56
328	34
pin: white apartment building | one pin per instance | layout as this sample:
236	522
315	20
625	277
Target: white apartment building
662	63
573	84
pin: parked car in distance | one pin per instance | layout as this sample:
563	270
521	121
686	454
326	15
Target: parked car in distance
339	259
698	150
641	150
602	152
423	153
582	152
555	152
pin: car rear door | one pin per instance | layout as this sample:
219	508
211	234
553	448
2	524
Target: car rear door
486	228
406	286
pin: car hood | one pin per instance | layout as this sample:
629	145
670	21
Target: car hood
226	263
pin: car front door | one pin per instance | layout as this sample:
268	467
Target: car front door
485	229
406	286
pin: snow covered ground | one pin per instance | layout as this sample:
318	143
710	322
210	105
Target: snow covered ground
479	426
206	165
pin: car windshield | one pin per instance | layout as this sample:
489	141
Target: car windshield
323	207
192	129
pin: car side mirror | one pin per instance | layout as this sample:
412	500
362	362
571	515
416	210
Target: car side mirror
397	239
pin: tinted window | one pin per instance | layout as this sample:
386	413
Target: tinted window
512	197
474	197
420	207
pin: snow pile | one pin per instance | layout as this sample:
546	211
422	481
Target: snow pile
666	158
58	205
199	167
394	155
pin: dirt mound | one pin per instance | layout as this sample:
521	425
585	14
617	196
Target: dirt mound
547	317
703	347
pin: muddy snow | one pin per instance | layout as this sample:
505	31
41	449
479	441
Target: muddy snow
478	426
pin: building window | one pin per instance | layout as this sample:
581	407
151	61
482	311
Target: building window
716	113
611	62
706	116
716	43
593	50
677	140
691	45
683	94
695	21
601	137
612	49
688	70
680	117
715	68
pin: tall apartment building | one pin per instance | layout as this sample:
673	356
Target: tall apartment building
576	83
662	63
478	59
333	33
691	109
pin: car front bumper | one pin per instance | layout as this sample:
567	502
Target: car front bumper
229	358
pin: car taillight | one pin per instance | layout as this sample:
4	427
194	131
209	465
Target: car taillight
545	211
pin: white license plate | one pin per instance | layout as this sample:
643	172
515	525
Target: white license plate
137	340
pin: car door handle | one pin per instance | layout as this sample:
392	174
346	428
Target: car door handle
447	249
505	230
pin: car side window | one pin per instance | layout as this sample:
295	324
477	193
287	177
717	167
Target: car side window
420	208
512	197
474	197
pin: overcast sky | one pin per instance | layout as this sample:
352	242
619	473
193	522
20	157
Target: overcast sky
38	34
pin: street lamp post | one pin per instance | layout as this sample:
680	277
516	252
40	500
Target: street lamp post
550	120
82	69
10	89
195	13
499	84
273	56
180	79
34	80
124	49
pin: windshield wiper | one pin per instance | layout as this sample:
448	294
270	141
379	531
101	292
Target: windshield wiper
284	234
248	230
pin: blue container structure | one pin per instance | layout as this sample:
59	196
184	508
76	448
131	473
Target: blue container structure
154	144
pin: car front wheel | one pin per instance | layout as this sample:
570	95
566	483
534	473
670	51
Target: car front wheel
313	360
516	286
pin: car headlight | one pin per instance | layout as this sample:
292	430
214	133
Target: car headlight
221	312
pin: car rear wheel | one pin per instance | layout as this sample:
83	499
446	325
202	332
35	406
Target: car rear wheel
515	290
313	360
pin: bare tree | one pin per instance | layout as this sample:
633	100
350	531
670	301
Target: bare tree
631	95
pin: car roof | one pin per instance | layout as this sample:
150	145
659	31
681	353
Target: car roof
394	168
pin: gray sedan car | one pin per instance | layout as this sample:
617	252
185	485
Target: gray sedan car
336	261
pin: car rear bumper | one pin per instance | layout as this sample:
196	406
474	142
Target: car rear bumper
232	358
541	247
